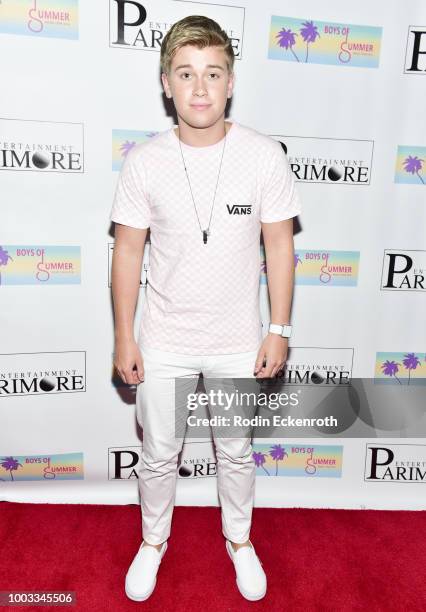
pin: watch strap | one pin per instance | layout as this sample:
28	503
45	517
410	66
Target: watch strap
282	330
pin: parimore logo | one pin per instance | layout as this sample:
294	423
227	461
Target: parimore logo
41	146
335	161
142	25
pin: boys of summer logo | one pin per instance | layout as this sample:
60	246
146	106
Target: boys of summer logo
410	165
324	42
400	368
66	466
335	268
38	265
47	18
298	460
42	373
124	141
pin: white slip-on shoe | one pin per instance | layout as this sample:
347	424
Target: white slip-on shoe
141	577
251	579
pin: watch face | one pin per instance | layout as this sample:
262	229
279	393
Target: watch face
283	330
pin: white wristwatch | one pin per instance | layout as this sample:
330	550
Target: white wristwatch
281	330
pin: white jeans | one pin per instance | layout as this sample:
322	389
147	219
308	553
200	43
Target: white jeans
156	413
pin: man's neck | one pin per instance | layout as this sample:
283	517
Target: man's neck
202	137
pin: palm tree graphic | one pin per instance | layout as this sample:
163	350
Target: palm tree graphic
410	362
278	453
4	258
297	260
413	165
309	34
259	459
390	368
126	147
287	40
10	464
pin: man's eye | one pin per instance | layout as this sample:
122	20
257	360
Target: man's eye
185	74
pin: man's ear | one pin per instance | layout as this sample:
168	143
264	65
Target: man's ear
166	85
230	85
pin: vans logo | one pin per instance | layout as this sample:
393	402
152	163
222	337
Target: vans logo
239	209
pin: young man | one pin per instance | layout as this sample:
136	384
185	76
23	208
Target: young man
201	309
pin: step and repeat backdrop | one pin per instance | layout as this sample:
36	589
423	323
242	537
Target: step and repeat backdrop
342	87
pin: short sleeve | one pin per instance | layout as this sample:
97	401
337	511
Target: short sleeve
131	202
280	198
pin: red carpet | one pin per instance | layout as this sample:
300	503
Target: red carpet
325	560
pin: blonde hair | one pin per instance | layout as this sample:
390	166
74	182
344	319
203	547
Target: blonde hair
195	30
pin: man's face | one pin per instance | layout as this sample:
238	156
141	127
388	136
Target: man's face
199	84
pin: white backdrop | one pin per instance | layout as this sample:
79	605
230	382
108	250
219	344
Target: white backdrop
75	96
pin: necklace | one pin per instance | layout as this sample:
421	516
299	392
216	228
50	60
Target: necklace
205	232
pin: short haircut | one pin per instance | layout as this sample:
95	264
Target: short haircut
195	30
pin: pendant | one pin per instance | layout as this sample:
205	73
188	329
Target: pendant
206	233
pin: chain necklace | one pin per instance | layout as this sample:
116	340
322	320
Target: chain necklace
205	232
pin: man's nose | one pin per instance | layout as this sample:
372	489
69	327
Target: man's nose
199	88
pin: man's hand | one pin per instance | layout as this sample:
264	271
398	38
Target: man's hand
274	350
127	355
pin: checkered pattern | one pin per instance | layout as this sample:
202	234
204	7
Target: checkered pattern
204	298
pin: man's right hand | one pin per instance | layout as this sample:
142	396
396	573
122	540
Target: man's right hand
127	356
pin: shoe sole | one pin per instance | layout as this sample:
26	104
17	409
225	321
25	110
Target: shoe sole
250	597
141	597
241	590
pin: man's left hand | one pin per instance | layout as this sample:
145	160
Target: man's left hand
273	350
